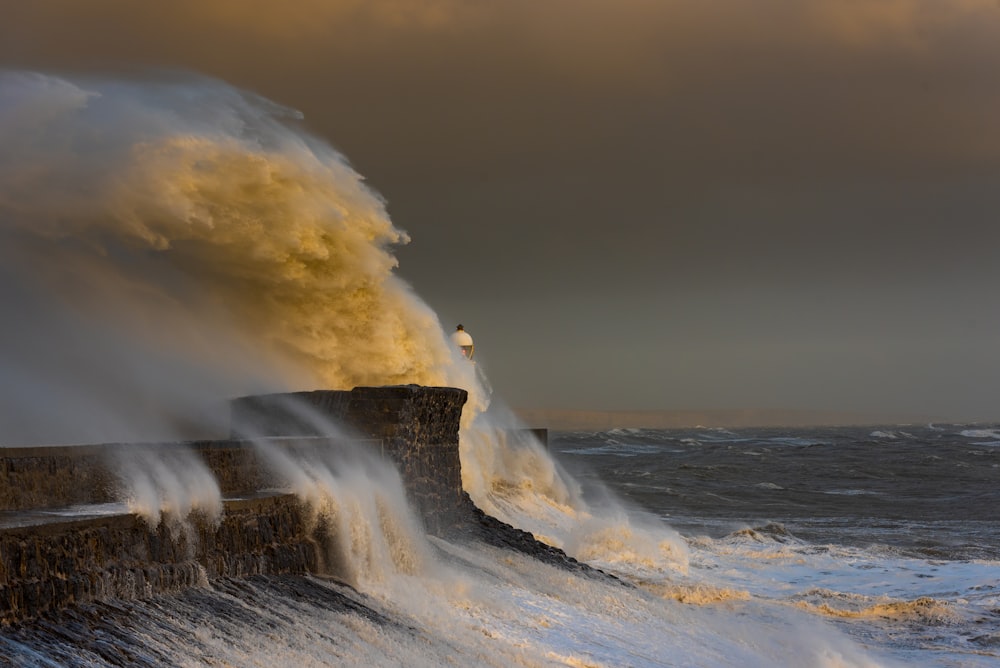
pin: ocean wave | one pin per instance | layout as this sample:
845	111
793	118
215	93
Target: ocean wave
852	492
890	434
698	594
796	441
992	436
624	431
753	545
925	609
772	532
980	433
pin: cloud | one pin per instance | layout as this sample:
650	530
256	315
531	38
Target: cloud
913	24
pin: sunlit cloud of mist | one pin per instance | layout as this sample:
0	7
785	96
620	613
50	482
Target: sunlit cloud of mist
170	244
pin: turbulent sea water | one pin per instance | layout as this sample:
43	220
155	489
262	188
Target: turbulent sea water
818	547
890	535
167	244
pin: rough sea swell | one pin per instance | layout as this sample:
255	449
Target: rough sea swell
167	246
891	533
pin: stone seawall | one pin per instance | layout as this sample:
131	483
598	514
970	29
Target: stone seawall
416	426
59	476
47	477
45	567
51	558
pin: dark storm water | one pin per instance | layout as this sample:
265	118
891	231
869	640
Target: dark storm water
933	491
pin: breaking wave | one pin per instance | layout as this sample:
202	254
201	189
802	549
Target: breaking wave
166	245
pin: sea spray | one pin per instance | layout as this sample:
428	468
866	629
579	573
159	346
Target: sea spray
196	223
167	483
505	459
354	498
219	249
358	504
188	241
511	475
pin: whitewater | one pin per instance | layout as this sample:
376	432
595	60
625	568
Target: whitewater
169	244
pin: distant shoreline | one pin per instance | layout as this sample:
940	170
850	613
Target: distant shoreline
569	420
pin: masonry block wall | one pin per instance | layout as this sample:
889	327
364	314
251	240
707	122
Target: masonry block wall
48	563
416	426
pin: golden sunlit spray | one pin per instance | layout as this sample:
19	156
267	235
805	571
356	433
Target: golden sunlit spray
177	243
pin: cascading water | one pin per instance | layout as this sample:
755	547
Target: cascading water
354	498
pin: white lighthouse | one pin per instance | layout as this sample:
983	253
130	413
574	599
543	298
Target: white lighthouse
463	340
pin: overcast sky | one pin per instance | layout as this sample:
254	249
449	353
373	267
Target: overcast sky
638	204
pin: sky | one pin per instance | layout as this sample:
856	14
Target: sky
642	204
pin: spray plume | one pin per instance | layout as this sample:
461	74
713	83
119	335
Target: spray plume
169	244
167	483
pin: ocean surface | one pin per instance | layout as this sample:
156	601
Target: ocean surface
750	547
891	535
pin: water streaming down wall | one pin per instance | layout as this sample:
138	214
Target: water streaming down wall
65	540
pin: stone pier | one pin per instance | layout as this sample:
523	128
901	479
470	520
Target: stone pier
416	427
46	566
59	546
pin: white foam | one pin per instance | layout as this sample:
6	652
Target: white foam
517	480
167	483
355	500
981	433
